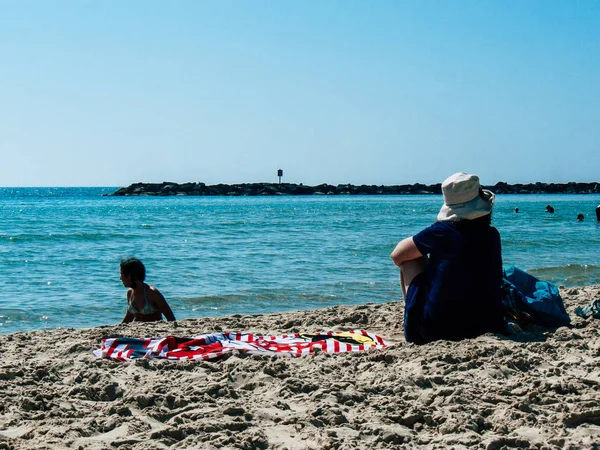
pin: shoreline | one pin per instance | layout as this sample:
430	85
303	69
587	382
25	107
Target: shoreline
538	389
261	189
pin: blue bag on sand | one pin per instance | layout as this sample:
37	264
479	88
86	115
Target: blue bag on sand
535	299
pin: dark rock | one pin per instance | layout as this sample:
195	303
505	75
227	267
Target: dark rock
271	189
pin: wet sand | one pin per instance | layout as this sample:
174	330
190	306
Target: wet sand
540	389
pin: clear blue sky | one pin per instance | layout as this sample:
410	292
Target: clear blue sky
108	93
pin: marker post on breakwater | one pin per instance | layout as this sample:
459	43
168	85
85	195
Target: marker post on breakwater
279	174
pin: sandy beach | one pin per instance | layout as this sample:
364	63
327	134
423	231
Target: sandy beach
540	389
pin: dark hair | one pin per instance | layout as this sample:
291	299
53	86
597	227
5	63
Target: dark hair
133	268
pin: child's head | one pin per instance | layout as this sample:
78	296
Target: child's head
134	269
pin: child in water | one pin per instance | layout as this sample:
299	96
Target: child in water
145	303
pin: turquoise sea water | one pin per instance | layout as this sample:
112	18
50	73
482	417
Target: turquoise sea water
60	250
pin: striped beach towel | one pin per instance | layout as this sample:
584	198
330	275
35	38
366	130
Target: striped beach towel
209	346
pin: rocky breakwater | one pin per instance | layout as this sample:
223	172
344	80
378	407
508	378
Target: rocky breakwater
253	189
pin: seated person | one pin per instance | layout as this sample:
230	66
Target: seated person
145	303
451	272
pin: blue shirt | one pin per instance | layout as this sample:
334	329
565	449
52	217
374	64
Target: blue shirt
464	275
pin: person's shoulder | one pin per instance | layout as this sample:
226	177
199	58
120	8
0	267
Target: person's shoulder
436	230
494	231
441	225
434	225
153	290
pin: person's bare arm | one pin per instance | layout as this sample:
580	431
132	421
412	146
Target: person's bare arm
161	304
128	317
406	250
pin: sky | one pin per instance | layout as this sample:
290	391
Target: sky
109	93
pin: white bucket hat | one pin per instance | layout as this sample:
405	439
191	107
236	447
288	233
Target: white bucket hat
462	199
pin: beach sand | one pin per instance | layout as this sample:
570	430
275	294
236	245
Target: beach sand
540	389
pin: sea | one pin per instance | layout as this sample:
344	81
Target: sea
60	250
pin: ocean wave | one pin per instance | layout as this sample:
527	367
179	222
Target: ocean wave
569	275
32	237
